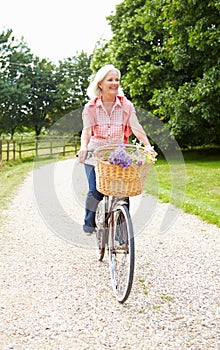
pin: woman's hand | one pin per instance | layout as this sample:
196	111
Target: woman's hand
85	138
82	154
151	152
150	149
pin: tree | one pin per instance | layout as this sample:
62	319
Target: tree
135	48
72	76
192	100
15	57
100	55
35	92
42	94
168	54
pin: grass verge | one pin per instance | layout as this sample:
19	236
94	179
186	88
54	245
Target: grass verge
193	186
12	175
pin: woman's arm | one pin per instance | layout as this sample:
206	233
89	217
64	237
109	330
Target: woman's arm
138	130
85	138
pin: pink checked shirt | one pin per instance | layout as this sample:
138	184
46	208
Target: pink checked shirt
108	129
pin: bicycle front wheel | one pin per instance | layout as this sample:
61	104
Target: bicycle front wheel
121	252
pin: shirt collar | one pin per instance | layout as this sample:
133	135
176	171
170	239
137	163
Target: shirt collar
99	102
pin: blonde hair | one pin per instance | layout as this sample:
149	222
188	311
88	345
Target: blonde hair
94	89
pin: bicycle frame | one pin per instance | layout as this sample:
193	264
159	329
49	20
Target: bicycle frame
107	220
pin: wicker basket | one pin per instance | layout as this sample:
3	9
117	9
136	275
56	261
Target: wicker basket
113	180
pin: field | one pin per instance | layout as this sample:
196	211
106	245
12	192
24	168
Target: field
193	185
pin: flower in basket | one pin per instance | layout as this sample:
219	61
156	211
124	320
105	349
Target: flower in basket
120	157
137	155
144	154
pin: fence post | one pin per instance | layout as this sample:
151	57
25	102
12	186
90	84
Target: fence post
36	148
14	148
19	151
8	148
0	152
51	147
75	142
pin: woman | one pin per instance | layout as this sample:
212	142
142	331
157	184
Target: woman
108	118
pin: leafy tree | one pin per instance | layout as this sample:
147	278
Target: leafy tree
192	45
168	52
73	78
56	91
101	55
34	92
135	48
42	94
15	57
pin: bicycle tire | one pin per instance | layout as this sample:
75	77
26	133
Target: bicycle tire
121	252
100	247
101	231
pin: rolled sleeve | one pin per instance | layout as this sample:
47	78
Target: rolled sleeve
86	120
134	123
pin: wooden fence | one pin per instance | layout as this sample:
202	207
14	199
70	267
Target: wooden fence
11	150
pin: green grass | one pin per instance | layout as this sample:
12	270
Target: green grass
193	185
11	176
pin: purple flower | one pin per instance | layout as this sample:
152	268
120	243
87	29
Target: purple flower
120	157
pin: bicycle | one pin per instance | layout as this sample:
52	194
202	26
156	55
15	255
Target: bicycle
114	224
115	234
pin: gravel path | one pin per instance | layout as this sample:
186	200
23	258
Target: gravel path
55	295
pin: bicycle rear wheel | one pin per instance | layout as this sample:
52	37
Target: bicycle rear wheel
101	230
121	252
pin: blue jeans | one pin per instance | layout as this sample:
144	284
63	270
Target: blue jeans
92	200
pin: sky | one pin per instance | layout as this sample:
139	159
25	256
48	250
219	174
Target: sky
57	29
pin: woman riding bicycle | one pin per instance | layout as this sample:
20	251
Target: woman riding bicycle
108	118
